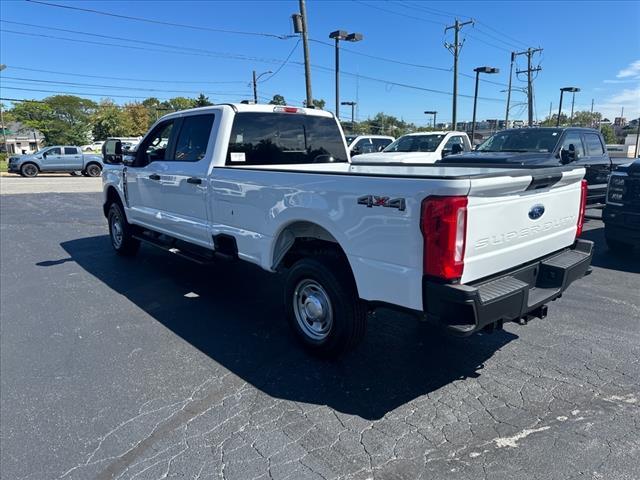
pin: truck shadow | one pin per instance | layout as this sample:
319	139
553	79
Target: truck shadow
603	257
232	312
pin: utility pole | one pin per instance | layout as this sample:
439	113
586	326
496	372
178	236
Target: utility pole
4	129
529	53
550	109
255	88
506	116
591	122
455	49
305	46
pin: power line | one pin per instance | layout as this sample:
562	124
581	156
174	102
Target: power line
161	22
117	87
147	80
393	12
190	50
90	94
286	60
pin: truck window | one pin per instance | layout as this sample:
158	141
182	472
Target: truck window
573	138
594	145
262	138
380	143
70	151
155	146
53	151
193	138
455	140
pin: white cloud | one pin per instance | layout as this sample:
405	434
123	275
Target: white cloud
627	98
633	70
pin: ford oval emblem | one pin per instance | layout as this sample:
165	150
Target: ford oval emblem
536	212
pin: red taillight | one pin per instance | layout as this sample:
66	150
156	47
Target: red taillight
583	207
444	225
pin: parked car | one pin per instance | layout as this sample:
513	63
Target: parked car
359	144
621	215
93	147
57	158
421	147
551	147
468	248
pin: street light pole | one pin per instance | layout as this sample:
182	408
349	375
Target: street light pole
478	71
432	112
353	120
562	90
255	84
4	129
337	36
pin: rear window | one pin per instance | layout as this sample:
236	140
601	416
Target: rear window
594	145
281	138
70	151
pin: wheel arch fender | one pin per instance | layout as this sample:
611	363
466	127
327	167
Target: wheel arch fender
111	195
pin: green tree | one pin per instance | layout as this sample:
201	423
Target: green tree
137	119
609	134
178	103
62	119
278	100
108	121
551	121
317	103
586	118
202	101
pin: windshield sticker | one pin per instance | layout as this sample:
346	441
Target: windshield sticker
238	157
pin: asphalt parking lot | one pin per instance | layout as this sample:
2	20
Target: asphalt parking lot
154	368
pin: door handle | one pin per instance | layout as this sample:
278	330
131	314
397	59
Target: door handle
154	176
194	180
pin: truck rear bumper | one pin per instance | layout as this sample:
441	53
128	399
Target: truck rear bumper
519	293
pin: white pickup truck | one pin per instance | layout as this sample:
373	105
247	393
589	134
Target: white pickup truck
418	148
466	247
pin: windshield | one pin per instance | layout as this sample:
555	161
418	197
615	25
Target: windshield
416	143
530	140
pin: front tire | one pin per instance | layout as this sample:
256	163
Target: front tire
120	234
29	170
322	306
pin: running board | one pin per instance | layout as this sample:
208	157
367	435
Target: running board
171	245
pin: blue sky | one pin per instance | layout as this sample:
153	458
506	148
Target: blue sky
594	45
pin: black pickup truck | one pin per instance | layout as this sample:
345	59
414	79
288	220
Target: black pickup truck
621	215
548	146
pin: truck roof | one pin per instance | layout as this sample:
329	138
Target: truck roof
244	107
439	132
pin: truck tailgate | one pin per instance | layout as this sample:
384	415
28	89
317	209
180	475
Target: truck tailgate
512	220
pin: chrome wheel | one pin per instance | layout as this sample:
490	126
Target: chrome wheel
312	309
117	232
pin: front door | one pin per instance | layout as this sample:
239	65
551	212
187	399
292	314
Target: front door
143	177
52	159
184	179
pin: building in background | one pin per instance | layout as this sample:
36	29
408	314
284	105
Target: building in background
620	122
20	139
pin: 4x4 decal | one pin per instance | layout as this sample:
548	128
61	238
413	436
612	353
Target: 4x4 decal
378	201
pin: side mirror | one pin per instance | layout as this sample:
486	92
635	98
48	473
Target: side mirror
568	155
355	151
456	148
44	155
112	152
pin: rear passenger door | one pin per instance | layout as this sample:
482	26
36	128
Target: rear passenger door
184	180
598	167
72	158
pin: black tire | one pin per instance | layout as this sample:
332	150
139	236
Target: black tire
617	247
348	313
120	235
75	174
92	170
29	169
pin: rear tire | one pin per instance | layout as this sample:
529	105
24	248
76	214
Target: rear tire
322	306
120	234
29	170
93	170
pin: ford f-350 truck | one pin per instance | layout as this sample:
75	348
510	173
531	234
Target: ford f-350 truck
466	247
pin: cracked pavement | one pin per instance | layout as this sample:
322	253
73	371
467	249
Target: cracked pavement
157	368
